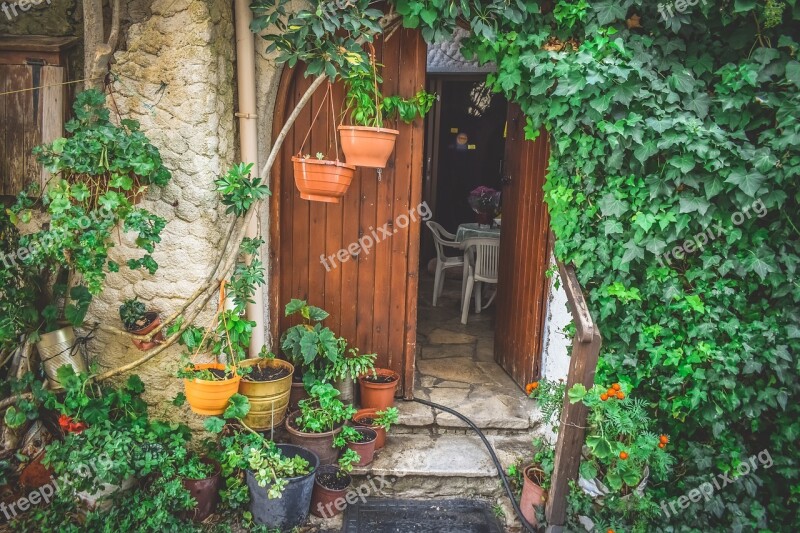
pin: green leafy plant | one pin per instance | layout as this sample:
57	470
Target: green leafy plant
350	366
131	312
347	435
310	345
369	107
622	445
387	418
322	411
250	451
549	395
346	461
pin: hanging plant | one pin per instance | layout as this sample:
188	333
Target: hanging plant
367	143
320	179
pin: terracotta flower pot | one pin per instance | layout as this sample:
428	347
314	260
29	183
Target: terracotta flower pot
210	397
327	502
322	180
366	146
359	420
319	443
269	400
365	448
156	340
205	492
378	395
297	393
533	495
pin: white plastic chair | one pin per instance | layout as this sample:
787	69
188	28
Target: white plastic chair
481	264
443	262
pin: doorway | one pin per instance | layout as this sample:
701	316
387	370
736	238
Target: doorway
475	138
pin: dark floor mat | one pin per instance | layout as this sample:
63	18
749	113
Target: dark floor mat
420	516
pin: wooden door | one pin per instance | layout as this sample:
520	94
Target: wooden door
372	297
524	254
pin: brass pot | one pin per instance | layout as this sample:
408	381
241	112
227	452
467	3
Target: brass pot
269	400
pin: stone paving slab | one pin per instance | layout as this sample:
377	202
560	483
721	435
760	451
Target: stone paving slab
459	456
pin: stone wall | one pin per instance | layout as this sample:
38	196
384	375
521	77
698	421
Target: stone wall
176	76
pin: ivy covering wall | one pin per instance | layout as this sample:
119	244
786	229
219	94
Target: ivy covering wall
672	187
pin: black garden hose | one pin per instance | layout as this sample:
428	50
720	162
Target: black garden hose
497	464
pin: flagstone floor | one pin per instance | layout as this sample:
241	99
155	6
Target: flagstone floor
456	367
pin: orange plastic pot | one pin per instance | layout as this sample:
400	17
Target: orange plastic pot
321	180
378	395
367	147
361	414
210	397
533	495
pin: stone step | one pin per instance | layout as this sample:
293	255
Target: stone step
494	414
425	466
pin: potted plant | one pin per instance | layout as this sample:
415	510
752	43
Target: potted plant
485	202
367	143
331	483
311	347
377	420
267	387
201	477
621	450
208	386
275	480
378	387
346	369
359	439
321	180
318	421
137	320
535	479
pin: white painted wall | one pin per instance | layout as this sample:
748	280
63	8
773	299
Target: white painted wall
557	346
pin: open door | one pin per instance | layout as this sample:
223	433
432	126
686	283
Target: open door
522	285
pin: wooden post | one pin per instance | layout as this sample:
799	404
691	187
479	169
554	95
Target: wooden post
52	106
582	366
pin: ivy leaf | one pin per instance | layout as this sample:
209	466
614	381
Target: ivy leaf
632	251
611	206
793	72
699	103
684	162
609	11
682	81
748	182
740	6
179	399
690	204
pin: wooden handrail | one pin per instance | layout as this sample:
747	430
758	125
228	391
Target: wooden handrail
583	363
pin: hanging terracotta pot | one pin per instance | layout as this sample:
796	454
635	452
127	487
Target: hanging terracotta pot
320	180
207	397
533	495
152	321
365	146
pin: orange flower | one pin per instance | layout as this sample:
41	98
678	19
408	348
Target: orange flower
530	387
616	386
620	395
662	445
604	396
663	439
623	455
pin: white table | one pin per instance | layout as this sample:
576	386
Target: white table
475	230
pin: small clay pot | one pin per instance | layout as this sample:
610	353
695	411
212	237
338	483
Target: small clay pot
533	495
327	502
378	395
159	337
366	447
205	491
361	414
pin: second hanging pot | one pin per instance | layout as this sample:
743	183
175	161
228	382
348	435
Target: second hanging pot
322	180
365	146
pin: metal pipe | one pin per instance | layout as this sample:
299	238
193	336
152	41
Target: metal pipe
248	140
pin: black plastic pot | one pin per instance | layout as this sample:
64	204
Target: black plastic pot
291	509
